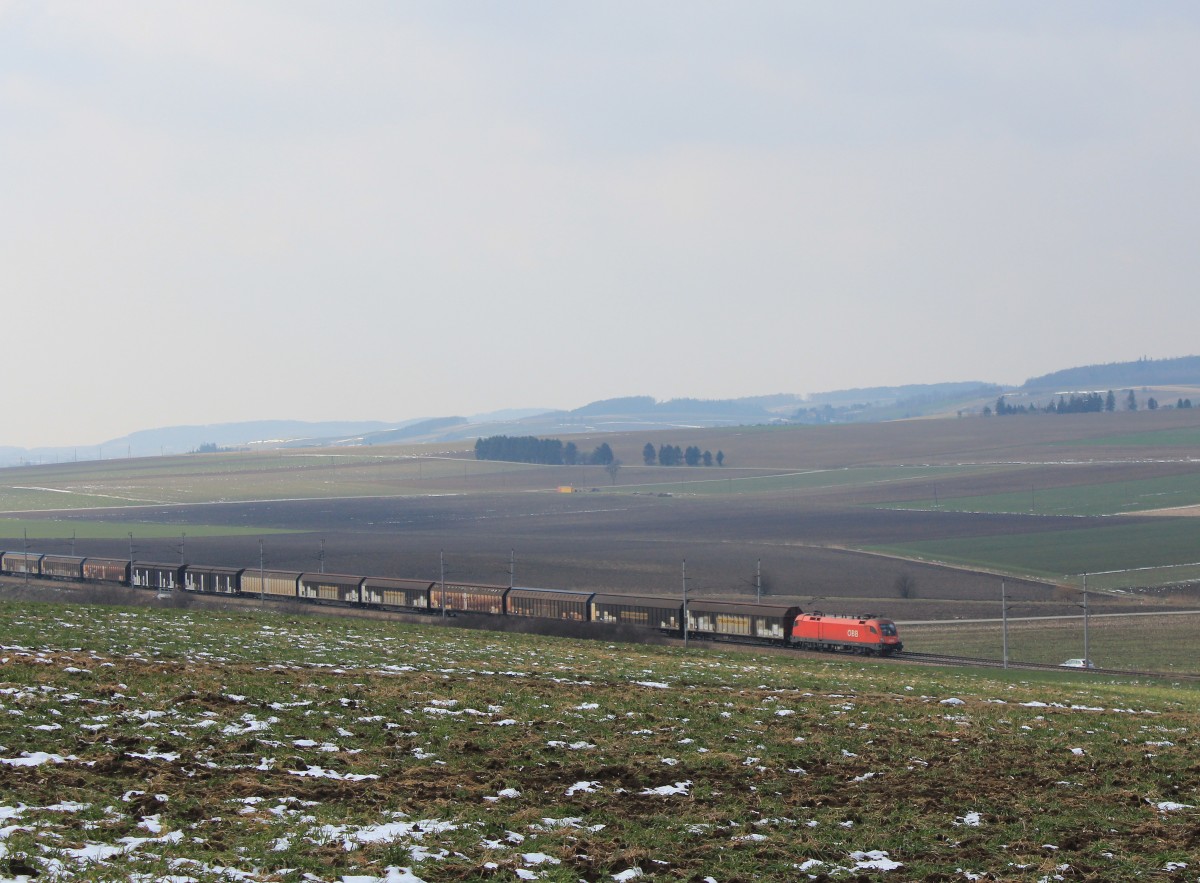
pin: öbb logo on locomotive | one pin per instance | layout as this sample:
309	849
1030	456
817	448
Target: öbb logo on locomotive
789	626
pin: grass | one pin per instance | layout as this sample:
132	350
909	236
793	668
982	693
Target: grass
1104	498
1182	437
710	482
42	529
1151	544
203	478
1136	643
280	748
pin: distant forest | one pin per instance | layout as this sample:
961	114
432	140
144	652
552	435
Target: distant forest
542	451
1090	403
1144	372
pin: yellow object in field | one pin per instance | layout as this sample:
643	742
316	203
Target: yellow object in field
566	489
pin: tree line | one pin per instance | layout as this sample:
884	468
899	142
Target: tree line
1087	403
543	451
673	455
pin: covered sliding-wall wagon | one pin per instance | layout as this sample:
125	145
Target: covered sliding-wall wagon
548	604
270	583
656	613
388	592
214	580
330	587
467	598
165	577
107	570
62	566
20	562
768	622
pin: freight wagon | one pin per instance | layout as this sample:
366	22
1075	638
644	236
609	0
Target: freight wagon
163	577
333	587
270	583
21	562
412	594
211	580
467	598
662	614
720	619
106	570
548	604
62	567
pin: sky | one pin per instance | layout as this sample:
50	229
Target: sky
221	211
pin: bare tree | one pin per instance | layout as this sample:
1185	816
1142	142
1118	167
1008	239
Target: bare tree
612	468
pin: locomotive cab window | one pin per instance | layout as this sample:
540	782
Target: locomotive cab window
874	631
888	629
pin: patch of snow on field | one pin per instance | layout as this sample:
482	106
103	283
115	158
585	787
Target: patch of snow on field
1171	806
668	790
322	773
36	758
392	875
874	860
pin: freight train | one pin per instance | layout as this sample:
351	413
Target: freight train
788	626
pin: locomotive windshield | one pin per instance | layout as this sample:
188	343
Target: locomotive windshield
888	628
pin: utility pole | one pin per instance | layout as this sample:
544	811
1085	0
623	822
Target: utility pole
685	607
512	566
321	557
182	540
442	579
25	548
131	577
1087	658
262	581
758	582
1004	619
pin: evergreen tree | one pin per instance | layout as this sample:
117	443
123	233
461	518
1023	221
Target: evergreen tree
720	458
648	454
1110	401
603	455
707	458
1131	401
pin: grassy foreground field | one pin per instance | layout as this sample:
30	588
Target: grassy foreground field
1160	643
170	744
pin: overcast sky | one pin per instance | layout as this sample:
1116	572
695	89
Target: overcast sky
222	211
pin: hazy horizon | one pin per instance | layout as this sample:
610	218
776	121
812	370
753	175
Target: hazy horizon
388	211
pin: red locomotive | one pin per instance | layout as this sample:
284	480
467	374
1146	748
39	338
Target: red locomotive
867	634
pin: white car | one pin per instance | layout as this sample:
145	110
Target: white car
1078	663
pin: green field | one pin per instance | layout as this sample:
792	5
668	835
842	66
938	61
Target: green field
1135	643
1104	498
728	481
1153	542
41	529
1182	437
190	744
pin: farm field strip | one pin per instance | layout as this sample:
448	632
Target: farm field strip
1106	498
1060	553
864	476
1181	437
143	744
64	531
